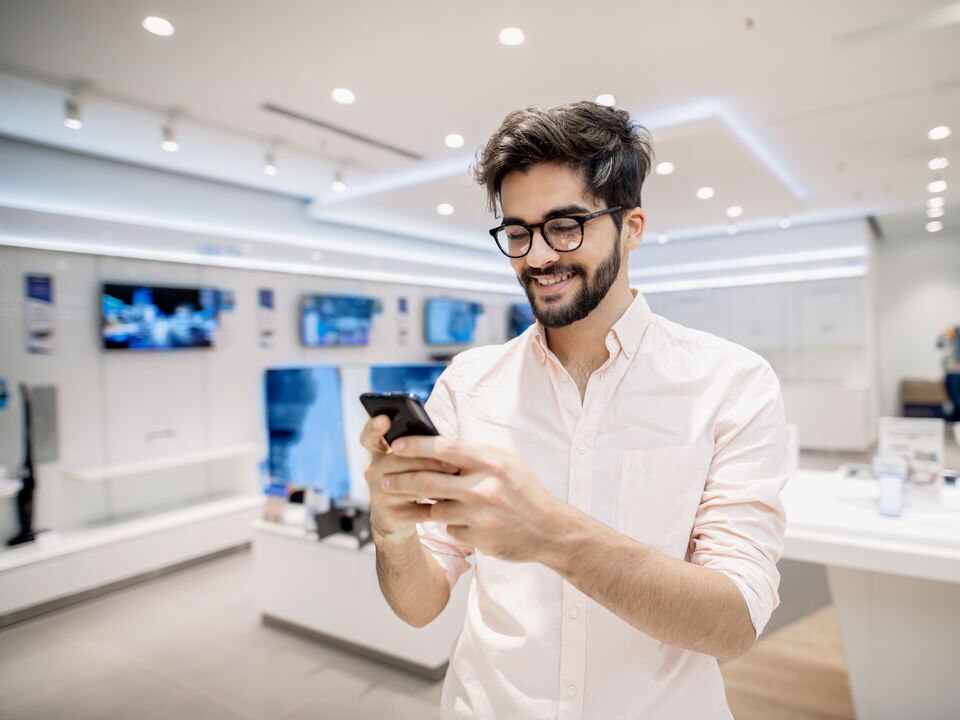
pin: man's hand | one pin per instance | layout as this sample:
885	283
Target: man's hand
496	504
394	516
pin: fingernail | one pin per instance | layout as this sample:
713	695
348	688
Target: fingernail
385	482
398	445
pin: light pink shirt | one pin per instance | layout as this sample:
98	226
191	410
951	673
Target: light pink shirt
679	443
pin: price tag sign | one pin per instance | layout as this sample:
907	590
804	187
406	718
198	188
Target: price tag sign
919	441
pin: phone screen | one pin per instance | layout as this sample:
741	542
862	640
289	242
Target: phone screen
405	411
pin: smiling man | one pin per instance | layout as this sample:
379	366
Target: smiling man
615	476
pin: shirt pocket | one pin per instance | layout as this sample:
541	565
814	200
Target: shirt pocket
660	491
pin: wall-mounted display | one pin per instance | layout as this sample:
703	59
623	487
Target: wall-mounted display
416	379
38	313
266	320
521	317
146	317
450	322
327	320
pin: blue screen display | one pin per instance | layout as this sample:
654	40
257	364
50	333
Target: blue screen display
521	317
336	320
416	379
141	317
305	429
450	322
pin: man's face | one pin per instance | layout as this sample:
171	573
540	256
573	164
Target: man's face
586	274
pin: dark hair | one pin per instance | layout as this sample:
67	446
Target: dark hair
611	153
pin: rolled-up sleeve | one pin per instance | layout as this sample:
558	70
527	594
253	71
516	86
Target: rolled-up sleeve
449	554
740	523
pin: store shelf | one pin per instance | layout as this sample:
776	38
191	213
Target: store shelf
141	467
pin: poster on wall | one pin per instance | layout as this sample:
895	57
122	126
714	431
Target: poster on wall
266	320
38	313
4	395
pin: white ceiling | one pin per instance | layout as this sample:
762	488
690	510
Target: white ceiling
820	110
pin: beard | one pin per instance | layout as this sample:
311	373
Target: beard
593	290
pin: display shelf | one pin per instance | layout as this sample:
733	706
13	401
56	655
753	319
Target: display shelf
140	467
68	562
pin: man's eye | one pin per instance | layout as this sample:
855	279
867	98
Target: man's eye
515	234
563	226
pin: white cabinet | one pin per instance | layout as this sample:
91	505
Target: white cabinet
756	316
826	312
698	309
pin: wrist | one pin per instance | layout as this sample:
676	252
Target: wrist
564	535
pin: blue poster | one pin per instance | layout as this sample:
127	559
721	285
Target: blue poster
4	395
38	313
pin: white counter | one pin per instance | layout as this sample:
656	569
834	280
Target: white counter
895	584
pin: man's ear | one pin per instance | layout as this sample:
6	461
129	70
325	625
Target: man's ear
634	224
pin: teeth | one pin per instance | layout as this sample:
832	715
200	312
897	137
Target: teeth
554	279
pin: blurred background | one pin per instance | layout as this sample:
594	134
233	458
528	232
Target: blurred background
220	222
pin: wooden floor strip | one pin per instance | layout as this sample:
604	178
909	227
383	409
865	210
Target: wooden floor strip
798	673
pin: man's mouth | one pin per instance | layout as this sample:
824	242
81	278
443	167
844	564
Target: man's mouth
552	279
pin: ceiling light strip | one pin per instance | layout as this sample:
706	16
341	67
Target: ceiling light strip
807	256
755	279
239	263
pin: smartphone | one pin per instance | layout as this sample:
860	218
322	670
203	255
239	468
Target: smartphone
404	410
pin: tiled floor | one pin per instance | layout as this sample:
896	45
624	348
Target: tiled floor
191	645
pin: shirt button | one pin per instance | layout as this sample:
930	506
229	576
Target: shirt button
574	612
571	690
581	448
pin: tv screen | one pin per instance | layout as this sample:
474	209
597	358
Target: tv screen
521	317
417	379
305	429
336	319
147	317
450	322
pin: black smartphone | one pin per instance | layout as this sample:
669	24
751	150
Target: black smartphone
405	411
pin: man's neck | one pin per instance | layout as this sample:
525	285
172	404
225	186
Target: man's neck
581	346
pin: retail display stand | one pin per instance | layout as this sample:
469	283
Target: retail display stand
328	588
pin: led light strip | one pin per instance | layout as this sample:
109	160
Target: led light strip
256	264
755	279
807	256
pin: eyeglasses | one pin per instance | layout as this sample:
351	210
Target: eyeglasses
563	234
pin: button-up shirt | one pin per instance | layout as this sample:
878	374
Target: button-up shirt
678	442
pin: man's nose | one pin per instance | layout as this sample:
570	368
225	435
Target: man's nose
541	254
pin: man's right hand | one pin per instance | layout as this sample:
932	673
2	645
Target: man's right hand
393	516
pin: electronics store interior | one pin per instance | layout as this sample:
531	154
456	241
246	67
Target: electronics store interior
223	223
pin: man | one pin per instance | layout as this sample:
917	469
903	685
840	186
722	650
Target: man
616	476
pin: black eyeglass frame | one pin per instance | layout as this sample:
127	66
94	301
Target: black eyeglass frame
581	220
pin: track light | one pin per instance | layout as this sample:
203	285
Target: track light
338	185
169	143
72	114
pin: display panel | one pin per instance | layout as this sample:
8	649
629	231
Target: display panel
450	322
327	320
145	317
521	317
305	429
416	379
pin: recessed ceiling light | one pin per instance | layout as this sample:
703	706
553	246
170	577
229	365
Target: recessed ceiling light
606	99
664	168
937	186
734	211
934	226
270	165
705	193
935	212
731	229
938	163
937	201
169	143
71	116
445	209
158	26
343	96
453	140
662	238
338	185
511	36
939	132
784	223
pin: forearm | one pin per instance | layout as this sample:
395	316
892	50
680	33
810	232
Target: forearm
412	582
676	602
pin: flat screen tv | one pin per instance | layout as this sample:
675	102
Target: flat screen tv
327	320
150	317
450	322
521	317
417	379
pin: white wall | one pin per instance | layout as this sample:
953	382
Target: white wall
918	294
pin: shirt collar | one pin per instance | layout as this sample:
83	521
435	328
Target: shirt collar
625	334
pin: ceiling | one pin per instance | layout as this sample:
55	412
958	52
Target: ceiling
813	110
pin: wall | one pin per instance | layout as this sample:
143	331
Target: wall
118	407
918	294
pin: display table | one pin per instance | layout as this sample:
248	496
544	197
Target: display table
329	588
895	584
